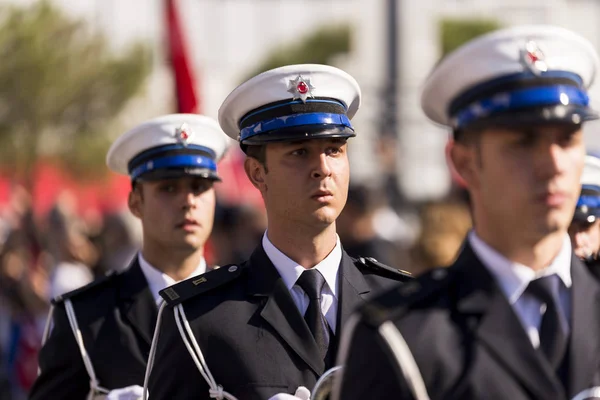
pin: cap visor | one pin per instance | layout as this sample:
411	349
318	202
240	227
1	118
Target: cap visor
301	133
570	114
174	173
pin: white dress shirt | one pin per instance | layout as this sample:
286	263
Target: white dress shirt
158	280
513	278
290	271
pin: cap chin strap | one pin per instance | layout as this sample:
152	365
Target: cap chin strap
97	392
215	391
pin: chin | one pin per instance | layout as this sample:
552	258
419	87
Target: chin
553	223
326	217
190	243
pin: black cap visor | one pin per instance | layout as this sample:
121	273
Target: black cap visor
174	173
300	133
569	114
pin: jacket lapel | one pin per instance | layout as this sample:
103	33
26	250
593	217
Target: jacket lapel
488	313
584	347
280	311
137	304
353	290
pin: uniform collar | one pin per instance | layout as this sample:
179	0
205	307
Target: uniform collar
513	277
290	270
157	280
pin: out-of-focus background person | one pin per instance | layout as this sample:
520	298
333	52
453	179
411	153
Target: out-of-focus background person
75	73
585	227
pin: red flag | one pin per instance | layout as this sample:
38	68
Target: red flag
187	102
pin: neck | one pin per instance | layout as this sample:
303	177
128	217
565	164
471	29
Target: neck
176	264
536	254
305	246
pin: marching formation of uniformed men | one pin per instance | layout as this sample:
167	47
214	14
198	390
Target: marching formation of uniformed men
102	345
515	316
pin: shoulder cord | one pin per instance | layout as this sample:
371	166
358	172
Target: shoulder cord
215	391
404	359
46	333
48	324
393	338
87	362
152	354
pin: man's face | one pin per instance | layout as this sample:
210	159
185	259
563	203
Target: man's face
305	182
176	214
585	238
527	180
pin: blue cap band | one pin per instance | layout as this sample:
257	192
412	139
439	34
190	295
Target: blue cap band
288	103
290	121
176	161
170	147
589	201
522	98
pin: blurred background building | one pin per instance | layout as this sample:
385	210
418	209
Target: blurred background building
75	74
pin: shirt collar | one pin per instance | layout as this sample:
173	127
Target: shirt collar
513	277
290	270
157	280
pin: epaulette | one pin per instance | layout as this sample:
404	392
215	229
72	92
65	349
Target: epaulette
184	290
385	270
396	303
96	283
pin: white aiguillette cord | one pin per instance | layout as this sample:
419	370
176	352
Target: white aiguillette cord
48	325
215	391
87	362
400	350
405	360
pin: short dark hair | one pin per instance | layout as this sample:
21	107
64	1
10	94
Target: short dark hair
259	153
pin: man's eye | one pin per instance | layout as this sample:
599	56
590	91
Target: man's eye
202	186
568	139
299	152
526	141
167	188
334	151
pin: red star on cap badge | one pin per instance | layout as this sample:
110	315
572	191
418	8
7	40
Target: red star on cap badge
301	88
533	58
183	134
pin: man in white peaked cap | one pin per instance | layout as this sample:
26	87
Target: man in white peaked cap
585	227
102	332
516	316
271	325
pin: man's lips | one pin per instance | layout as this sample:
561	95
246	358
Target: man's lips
322	195
188	224
552	199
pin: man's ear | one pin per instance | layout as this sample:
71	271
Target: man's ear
256	173
134	202
464	159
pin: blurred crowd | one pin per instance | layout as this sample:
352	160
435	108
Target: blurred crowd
44	256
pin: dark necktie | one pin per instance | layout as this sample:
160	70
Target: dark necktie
554	327
311	281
